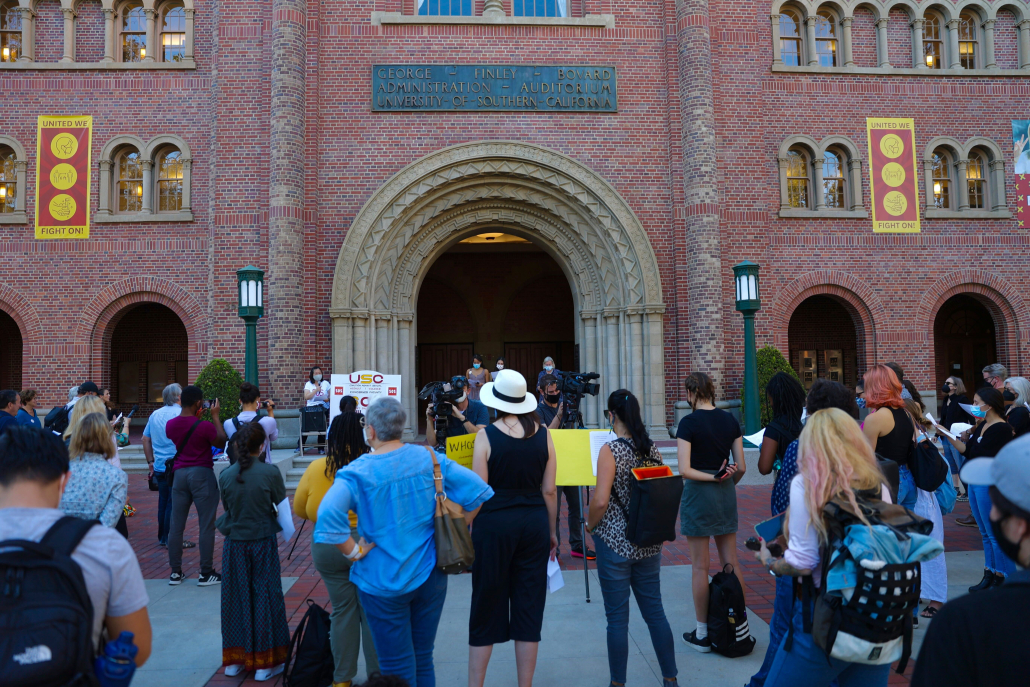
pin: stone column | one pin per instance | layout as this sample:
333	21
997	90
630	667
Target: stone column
989	61
589	362
918	51
151	35
774	27
493	9
953	58
382	343
148	186
849	59
28	35
855	179
613	343
360	360
104	194
928	183
961	185
654	372
187	178
636	354
813	58
882	46
817	183
284	283
997	189
405	354
784	195
108	35
703	290
21	179
343	344
69	35
1024	43
188	56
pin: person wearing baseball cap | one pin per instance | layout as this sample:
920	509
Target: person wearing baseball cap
982	639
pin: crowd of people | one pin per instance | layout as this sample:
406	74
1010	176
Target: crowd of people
374	502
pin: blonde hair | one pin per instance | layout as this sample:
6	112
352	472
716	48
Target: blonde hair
92	435
835	459
83	407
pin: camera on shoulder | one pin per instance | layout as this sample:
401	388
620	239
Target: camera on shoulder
442	396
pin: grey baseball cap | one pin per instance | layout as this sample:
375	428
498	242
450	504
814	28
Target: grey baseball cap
1008	472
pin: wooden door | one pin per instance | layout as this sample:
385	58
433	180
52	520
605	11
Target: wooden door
964	342
527	358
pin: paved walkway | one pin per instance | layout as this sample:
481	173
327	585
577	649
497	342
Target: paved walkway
560	623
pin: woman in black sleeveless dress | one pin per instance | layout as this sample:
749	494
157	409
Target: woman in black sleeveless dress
888	427
514	532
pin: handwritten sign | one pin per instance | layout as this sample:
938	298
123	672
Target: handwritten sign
459	449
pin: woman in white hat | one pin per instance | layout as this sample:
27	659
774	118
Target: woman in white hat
514	532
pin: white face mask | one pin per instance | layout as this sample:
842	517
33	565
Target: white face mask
462	399
318	378
364	435
500	366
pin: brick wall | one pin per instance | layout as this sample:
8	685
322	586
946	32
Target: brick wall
89	31
10	353
1006	41
899	39
49	31
863	38
147	332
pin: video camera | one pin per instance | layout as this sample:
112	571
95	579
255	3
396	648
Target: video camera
573	386
442	396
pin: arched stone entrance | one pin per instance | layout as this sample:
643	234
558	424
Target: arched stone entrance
522	189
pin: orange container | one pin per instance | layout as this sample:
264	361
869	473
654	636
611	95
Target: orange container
652	473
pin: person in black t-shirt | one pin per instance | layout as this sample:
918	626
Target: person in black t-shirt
980	640
787	397
1017	392
708	507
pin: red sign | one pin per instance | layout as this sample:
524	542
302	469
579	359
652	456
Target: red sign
62	177
894	187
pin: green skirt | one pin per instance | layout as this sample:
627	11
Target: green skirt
708	509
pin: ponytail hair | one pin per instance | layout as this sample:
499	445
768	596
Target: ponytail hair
250	439
626	407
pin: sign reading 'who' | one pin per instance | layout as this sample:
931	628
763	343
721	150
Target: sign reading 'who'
473	88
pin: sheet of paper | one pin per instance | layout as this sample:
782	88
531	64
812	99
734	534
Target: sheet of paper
555	581
459	449
959	427
284	514
598	439
756	438
804	415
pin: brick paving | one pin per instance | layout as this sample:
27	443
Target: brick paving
752	507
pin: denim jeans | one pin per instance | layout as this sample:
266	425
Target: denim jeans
404	629
954	458
777	627
618	575
994	559
806	665
164	505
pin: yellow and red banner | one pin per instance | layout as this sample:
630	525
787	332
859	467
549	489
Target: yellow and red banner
894	187
62	177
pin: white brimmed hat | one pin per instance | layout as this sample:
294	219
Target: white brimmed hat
508	393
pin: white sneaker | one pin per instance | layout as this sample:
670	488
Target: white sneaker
268	673
232	671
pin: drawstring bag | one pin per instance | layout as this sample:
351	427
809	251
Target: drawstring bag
454	551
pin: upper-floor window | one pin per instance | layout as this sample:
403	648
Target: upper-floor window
941	180
10	31
169	181
8	180
967	39
173	34
826	38
976	182
797	179
933	44
445	8
834	193
133	32
130	181
790	37
539	8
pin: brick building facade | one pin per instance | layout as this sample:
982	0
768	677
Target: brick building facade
739	134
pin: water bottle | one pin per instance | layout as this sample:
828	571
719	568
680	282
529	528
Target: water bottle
115	667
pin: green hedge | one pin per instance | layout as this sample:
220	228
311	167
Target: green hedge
220	380
770	361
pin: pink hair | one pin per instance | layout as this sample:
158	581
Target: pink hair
882	388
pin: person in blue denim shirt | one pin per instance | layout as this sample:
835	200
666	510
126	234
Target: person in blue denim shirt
393	494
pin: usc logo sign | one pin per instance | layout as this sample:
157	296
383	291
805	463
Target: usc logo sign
365	379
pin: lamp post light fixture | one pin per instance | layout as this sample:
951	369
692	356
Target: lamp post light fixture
252	307
748	303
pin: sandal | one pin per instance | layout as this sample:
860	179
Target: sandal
187	544
929	612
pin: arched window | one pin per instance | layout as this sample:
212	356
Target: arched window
933	44
834	191
790	37
133	32
173	34
967	39
8	180
826	38
797	179
976	181
130	181
941	180
169	181
10	31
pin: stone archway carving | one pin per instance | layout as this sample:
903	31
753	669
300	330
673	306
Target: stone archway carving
563	206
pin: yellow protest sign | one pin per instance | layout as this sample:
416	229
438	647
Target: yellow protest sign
459	449
572	452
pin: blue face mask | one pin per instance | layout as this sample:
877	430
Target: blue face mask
861	402
475	366
979	412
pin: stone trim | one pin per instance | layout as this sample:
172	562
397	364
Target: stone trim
21	163
603	21
934	213
902	71
132	218
823	214
100	66
148	152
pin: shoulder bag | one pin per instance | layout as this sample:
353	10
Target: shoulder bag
170	463
454	551
654	501
925	462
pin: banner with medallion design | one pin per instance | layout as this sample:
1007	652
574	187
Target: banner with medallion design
894	182
62	177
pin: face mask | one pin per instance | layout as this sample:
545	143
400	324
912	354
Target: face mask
318	378
946	389
462	399
364	436
552	398
500	366
979	412
1008	548
1008	396
475	366
549	368
860	402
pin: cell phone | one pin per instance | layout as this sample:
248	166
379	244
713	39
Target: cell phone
133	411
264	404
209	403
722	472
771	528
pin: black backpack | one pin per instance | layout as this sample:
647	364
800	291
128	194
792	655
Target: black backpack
46	616
57	419
654	503
312	665
233	449
727	618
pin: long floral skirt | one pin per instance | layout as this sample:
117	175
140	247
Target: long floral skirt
254	629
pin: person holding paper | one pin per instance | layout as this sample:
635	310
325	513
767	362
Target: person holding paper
255	634
1017	391
954	390
622	565
514	532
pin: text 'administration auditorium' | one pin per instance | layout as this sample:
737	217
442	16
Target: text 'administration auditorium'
424	179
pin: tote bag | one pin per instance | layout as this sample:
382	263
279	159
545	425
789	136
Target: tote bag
454	551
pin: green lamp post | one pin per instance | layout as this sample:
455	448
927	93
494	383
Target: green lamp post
252	307
746	278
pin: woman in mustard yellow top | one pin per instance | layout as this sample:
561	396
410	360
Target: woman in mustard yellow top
349	628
